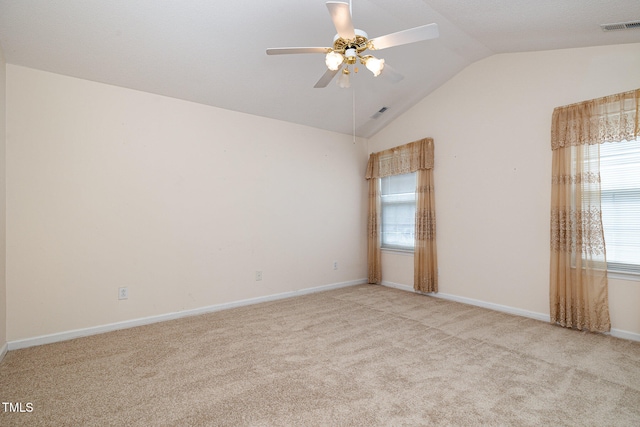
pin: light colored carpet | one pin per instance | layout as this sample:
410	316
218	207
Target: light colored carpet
364	355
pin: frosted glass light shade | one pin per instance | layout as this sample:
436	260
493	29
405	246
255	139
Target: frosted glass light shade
344	81
375	65
333	60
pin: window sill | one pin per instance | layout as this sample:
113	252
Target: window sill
402	252
632	277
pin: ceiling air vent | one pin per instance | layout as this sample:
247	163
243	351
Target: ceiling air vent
379	112
620	26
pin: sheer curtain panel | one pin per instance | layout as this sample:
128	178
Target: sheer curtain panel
578	282
425	269
373	225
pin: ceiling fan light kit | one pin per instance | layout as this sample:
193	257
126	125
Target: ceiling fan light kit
350	43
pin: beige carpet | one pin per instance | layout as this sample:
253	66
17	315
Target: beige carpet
364	355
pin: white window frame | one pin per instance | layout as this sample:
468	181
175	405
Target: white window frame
408	198
618	270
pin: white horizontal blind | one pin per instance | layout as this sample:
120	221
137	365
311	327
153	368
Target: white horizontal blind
620	198
398	206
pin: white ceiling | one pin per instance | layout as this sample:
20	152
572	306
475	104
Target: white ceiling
213	51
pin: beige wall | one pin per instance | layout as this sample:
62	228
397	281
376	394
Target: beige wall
3	288
491	125
182	203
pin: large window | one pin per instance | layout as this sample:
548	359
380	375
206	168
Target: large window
620	198
398	206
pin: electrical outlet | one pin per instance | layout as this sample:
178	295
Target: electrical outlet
335	265
258	276
123	293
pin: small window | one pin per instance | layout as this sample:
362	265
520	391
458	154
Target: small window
398	206
620	201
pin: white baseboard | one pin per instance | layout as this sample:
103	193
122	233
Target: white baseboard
496	307
78	333
618	333
478	303
3	351
398	286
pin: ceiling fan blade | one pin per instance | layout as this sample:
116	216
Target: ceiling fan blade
411	35
292	50
326	78
391	74
341	16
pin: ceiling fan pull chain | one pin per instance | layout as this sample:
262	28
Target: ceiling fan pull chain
353	91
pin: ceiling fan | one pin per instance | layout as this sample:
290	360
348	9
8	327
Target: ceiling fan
350	46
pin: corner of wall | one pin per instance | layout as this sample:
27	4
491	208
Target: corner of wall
3	138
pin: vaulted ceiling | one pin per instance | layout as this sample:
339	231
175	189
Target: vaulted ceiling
213	51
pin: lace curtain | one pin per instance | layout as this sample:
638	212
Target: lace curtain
425	261
578	283
406	158
413	157
374	268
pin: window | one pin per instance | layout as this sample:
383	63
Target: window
398	211
620	199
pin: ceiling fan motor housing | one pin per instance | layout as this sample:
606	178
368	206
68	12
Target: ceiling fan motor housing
350	55
360	43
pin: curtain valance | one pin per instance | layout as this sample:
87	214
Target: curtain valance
613	118
406	158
